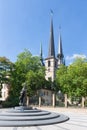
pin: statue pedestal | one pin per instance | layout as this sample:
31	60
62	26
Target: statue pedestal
23	108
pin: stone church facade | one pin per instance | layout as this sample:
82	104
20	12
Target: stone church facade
52	62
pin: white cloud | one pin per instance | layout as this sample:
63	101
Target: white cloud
74	56
70	59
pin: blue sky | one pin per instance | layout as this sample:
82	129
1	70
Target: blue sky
26	24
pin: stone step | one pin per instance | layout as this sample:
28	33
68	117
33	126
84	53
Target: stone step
29	117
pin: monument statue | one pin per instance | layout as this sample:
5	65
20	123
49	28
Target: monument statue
23	96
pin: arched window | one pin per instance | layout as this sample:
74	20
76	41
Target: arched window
48	63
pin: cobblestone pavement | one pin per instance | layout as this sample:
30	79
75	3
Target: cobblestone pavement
78	120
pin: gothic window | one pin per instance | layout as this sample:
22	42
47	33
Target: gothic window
55	64
48	63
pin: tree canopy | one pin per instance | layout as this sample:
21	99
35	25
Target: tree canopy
6	68
28	69
73	79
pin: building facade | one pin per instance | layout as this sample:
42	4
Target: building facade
52	62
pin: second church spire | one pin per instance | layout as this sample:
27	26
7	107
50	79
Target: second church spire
51	52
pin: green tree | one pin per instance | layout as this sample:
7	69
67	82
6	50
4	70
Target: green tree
72	79
61	78
78	70
28	69
6	68
35	81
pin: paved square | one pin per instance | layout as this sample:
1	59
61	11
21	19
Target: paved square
78	120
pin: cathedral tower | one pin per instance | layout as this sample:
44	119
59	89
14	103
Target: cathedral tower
51	61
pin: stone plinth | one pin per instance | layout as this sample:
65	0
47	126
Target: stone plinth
25	117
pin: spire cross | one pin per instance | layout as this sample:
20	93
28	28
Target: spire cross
51	11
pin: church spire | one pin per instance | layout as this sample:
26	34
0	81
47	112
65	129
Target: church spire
51	52
41	50
41	56
60	52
